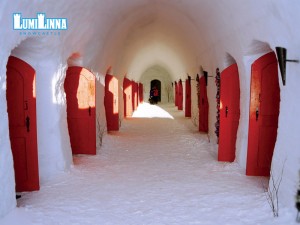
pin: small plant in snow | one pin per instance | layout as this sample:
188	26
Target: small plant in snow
272	191
100	131
169	89
194	119
208	137
120	121
298	202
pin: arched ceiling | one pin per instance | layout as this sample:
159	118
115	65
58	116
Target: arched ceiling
153	34
175	34
133	35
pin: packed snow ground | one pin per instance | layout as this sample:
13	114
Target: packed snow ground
158	171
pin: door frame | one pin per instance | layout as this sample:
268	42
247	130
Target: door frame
73	75
258	121
26	131
229	113
111	102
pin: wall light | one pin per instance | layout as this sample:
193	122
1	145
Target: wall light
205	76
281	57
205	73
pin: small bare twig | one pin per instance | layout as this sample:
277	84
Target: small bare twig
101	131
298	202
194	119
120	121
208	137
272	191
168	89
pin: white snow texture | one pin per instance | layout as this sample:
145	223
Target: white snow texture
154	171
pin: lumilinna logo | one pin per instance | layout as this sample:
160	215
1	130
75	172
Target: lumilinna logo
39	23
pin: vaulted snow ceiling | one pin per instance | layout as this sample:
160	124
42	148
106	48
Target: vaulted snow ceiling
134	35
154	34
142	34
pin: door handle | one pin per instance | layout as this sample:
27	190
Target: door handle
27	122
25	105
256	114
90	110
226	111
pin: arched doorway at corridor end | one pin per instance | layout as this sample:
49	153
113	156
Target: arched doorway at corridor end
156	84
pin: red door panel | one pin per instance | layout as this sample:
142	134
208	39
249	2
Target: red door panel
81	112
176	94
134	95
203	106
111	103
188	98
263	118
180	95
137	94
141	93
21	108
229	113
127	97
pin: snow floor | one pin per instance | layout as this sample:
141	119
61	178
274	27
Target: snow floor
158	171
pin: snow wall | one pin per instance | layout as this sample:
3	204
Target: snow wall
183	37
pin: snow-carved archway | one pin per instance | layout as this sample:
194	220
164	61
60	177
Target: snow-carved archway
132	36
159	73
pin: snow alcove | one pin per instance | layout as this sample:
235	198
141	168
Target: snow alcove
81	143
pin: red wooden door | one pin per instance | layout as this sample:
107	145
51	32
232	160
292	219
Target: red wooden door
229	113
111	103
21	108
180	95
188	98
176	94
203	106
141	92
264	112
134	95
137	94
81	112
127	97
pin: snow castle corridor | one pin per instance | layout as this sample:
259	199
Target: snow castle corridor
85	80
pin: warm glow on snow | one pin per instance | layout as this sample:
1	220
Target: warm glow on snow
157	166
33	88
147	110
